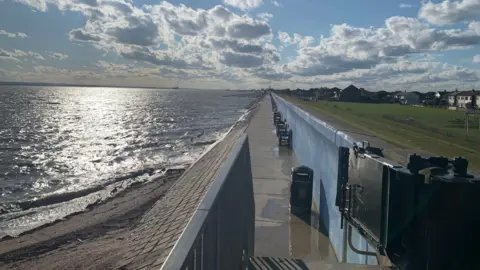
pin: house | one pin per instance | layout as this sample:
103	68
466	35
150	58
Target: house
325	93
368	96
435	99
452	98
353	94
335	90
383	96
467	97
409	98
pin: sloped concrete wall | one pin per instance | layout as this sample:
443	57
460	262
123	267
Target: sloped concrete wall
316	145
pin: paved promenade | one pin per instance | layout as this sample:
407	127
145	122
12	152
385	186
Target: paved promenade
277	232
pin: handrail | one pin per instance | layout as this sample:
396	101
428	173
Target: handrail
353	248
220	233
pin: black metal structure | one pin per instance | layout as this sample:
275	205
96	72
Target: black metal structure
424	216
301	189
290	139
277	117
281	127
284	138
284	134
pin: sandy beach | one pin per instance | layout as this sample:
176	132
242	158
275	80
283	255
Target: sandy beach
88	240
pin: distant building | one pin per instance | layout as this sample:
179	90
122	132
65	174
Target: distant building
452	98
409	98
353	94
466	97
435	99
325	93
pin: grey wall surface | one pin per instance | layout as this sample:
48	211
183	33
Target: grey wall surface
316	145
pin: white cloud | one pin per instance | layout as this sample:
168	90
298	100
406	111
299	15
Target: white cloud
58	56
243	4
446	74
35	55
475	27
450	12
248	29
158	58
276	3
16	54
12	56
13	35
236	46
164	42
420	37
418	76
40	5
476	59
82	35
405	5
188	36
240	60
265	16
302	41
63	75
349	48
77	5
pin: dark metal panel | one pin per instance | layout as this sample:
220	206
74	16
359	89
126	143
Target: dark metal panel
210	242
190	262
343	159
425	218
367	173
198	254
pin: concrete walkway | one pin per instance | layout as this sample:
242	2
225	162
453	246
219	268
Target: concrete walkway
277	232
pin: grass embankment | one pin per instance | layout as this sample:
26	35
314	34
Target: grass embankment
434	130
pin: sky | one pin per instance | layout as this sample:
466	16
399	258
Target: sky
242	44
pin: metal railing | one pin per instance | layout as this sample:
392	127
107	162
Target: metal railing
220	234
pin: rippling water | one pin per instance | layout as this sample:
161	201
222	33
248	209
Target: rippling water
76	144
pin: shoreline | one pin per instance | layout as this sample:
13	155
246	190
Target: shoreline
87	199
100	222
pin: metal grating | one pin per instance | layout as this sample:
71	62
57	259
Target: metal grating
272	263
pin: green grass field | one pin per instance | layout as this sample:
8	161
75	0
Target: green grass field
435	130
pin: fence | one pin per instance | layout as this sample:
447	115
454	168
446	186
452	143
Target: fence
220	234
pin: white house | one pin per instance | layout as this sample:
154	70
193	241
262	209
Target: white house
460	99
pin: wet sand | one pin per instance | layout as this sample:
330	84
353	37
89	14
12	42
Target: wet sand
89	239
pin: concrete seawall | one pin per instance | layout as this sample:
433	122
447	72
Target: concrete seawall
316	145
